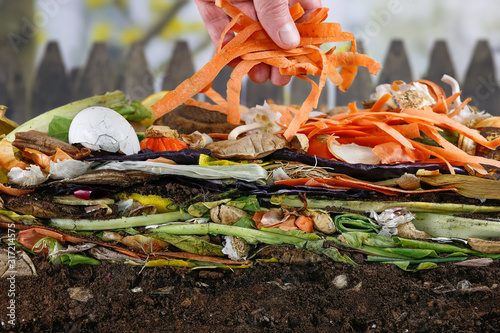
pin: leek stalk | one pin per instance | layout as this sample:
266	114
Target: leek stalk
441	225
377	206
254	236
41	122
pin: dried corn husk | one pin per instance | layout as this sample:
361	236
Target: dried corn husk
468	186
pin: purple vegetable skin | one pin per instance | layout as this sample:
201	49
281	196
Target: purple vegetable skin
360	171
184	156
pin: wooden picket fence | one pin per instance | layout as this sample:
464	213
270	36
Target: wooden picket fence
54	85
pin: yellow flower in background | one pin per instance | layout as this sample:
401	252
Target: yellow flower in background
131	35
161	5
96	4
177	28
102	32
40	37
121	3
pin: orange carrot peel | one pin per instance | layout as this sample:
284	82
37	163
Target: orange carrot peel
253	46
393	134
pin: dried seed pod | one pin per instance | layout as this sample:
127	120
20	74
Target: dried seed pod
484	246
322	222
228	215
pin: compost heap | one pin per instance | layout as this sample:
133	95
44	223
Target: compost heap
410	178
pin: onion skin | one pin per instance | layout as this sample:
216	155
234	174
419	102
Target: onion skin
488	122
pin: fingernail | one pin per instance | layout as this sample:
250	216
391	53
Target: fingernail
288	35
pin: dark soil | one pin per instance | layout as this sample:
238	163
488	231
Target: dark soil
267	297
300	294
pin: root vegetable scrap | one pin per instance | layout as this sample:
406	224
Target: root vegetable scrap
253	46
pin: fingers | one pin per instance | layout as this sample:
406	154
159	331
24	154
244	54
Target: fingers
277	79
308	5
276	20
215	20
262	72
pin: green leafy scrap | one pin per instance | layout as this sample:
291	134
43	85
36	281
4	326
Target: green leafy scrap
134	111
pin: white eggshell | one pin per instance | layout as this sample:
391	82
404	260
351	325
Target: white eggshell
101	128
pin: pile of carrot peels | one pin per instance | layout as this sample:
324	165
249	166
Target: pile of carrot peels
253	46
392	134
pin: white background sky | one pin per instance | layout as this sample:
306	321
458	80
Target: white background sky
419	23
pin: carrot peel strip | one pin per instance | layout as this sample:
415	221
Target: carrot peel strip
251	43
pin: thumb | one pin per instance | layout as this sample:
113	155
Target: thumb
277	22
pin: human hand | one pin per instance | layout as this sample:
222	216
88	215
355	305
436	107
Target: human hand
276	21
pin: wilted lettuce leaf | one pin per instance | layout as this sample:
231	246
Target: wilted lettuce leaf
134	111
191	244
355	222
59	128
248	204
245	222
73	259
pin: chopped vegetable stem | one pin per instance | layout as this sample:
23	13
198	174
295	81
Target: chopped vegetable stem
120	223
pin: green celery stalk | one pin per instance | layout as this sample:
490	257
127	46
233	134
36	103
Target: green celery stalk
120	223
